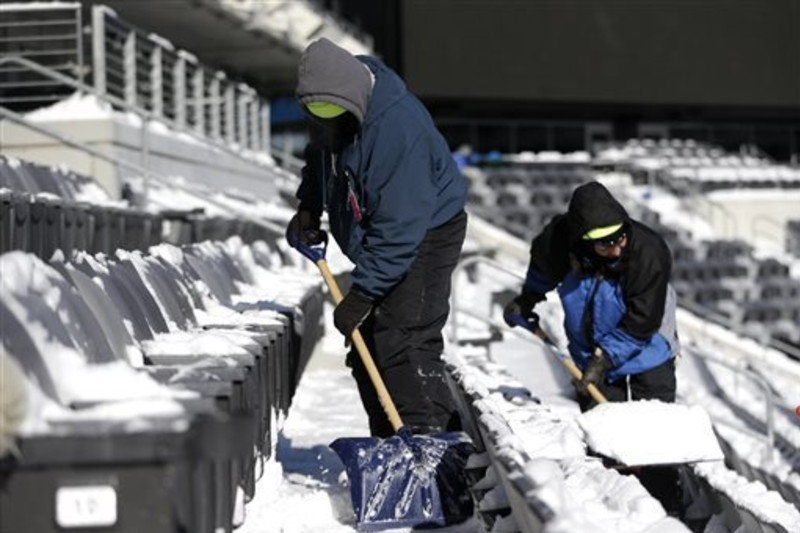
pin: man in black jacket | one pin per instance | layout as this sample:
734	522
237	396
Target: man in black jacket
612	274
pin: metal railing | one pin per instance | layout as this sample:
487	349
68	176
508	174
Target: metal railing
144	115
15	117
454	293
48	34
148	72
713	316
769	406
144	73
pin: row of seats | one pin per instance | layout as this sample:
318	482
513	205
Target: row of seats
775	473
723	275
687	168
157	382
793	237
527	452
687	148
41	225
521	197
44	208
26	177
769	479
703	488
688	181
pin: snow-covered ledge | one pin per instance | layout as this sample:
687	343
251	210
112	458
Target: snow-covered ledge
86	120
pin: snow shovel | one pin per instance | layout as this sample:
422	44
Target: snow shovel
665	433
406	480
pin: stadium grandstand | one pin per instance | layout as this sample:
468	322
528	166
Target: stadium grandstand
169	364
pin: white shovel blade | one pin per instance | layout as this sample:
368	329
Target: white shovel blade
650	432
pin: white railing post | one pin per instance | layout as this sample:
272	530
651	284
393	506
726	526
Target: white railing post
156	83
199	98
129	66
214	95
241	115
79	42
230	112
99	49
266	142
255	127
179	88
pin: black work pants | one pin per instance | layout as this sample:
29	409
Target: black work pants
404	335
655	384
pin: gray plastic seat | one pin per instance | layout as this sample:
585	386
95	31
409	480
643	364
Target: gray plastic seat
730	514
749	521
768	527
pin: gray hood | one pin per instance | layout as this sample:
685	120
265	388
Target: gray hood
329	73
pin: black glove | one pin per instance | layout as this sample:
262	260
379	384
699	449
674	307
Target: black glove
520	309
303	228
351	312
595	372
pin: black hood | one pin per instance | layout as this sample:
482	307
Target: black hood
590	207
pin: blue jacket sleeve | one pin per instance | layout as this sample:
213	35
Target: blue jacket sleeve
621	346
644	301
404	200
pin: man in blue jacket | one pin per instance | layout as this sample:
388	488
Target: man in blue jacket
612	274
395	201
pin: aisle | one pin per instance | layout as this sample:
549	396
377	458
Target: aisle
305	490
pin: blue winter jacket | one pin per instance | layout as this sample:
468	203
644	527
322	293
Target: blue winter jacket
385	190
625	307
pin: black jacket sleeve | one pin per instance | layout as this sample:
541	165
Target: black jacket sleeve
550	250
310	192
645	285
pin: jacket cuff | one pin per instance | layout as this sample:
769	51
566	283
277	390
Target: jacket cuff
359	293
619	346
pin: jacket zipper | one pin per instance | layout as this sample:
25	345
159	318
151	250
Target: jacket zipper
353	203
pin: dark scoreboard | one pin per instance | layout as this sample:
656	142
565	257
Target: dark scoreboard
684	52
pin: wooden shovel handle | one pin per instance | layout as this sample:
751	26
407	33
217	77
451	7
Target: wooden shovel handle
363	352
571	367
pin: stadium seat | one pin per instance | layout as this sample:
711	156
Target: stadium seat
6	221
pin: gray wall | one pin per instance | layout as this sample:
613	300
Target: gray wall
717	52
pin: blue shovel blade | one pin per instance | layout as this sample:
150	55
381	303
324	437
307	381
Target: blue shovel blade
407	480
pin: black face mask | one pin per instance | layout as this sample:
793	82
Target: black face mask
592	263
334	133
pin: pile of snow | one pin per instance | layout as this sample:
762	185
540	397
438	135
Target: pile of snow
544	443
650	432
78	106
766	505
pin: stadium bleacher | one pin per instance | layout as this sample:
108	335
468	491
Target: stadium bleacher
162	347
526	477
206	361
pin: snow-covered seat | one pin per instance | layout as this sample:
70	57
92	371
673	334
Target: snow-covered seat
90	335
749	521
208	380
105	424
730	515
770	527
